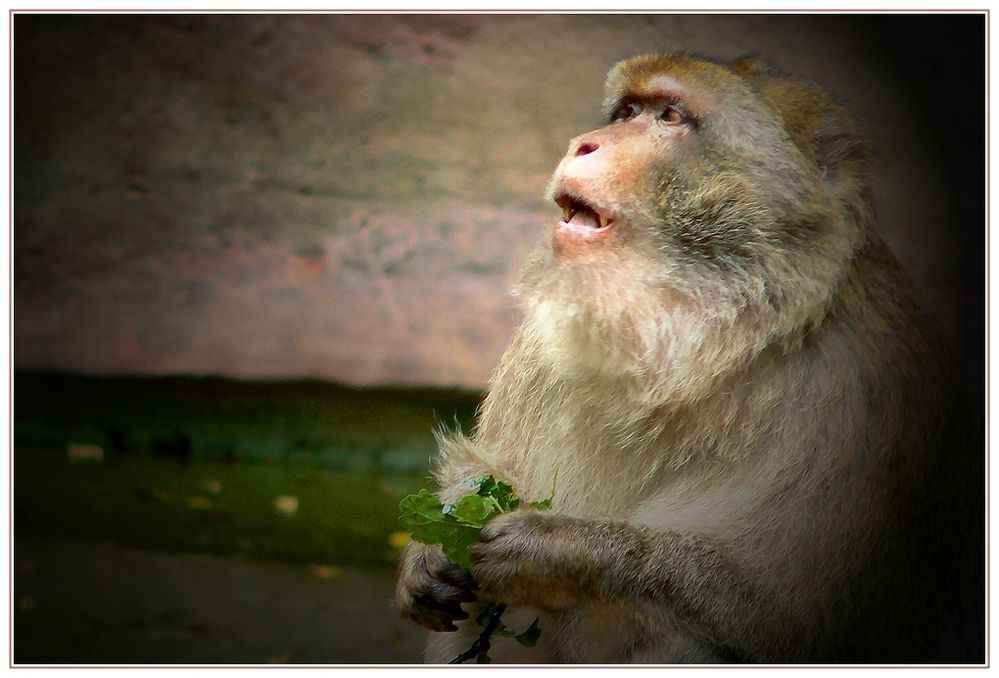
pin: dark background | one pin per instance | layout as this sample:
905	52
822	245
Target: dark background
257	259
944	87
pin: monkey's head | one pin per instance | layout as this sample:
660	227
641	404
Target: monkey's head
713	215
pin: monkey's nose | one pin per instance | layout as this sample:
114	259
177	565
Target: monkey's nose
585	148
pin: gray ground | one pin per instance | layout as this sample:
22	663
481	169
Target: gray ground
97	603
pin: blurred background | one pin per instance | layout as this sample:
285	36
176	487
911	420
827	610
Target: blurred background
259	259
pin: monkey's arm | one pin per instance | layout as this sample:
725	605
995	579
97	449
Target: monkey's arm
460	463
554	562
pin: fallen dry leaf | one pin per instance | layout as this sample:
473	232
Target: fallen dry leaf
286	504
211	486
399	539
198	503
326	571
84	452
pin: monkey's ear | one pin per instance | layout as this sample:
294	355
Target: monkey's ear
839	148
822	129
749	65
841	155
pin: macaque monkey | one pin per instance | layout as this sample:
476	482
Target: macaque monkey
723	371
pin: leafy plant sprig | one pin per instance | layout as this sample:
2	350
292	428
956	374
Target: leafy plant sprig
456	527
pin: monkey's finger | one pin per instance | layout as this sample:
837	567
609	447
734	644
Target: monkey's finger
431	620
438	608
454	575
441	569
445	593
491	532
511	524
434	614
483	553
477	554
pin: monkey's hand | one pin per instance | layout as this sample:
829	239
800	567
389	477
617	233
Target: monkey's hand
430	588
537	558
554	562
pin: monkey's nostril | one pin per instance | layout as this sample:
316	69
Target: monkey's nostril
586	148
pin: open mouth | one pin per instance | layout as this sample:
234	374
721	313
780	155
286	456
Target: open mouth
577	212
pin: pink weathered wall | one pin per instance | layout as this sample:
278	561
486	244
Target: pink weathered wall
350	196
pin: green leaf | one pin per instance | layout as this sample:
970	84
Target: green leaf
545	504
500	491
421	509
483	485
423	515
529	638
488	611
474	510
504	630
456	543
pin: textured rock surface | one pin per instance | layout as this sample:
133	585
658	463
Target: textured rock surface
350	196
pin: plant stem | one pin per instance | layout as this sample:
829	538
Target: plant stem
483	642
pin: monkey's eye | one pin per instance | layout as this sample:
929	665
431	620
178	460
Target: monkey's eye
673	115
626	111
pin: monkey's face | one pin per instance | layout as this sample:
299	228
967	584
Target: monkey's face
703	188
692	170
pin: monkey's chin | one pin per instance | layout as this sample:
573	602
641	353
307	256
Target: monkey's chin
570	237
593	317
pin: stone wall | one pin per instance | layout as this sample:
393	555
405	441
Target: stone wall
350	196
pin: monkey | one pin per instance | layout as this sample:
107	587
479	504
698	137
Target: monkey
747	418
